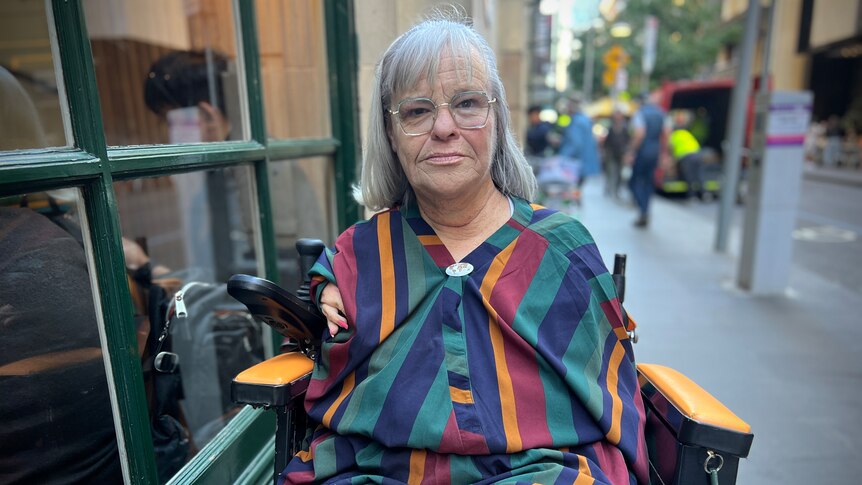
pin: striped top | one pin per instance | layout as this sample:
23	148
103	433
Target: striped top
518	371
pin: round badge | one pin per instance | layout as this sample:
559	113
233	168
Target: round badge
459	269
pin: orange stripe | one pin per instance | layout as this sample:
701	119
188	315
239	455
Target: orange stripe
432	240
537	207
460	395
504	381
417	467
617	408
387	276
346	388
622	333
305	456
584	475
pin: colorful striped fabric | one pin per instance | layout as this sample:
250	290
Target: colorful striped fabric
520	371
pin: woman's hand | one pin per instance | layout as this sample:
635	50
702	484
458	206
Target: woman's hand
332	308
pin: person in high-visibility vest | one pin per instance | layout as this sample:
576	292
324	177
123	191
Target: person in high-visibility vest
685	150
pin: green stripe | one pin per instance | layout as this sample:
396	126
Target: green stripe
435	409
603	287
539	297
536	303
561	230
583	359
463	469
370	456
366	403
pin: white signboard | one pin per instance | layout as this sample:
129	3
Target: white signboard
650	33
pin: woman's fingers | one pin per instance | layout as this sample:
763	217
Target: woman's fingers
332	308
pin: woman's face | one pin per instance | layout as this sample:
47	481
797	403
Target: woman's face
442	164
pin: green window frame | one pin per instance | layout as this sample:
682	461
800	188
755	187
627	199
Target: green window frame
243	451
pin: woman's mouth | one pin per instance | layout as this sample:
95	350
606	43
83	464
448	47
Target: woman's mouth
444	158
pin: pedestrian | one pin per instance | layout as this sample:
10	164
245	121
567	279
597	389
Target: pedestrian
648	133
685	152
579	144
538	134
614	150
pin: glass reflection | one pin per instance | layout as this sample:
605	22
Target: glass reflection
56	411
30	114
303	207
166	70
295	79
184	235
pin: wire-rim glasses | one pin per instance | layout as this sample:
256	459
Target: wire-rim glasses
469	110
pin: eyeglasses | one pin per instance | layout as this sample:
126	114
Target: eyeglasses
469	109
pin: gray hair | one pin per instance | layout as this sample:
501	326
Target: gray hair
412	56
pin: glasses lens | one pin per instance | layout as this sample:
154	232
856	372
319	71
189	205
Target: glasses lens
416	115
470	109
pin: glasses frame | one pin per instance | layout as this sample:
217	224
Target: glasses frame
437	111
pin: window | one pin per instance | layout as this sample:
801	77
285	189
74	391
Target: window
57	419
166	71
163	203
31	91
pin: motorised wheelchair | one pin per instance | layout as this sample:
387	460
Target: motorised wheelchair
692	438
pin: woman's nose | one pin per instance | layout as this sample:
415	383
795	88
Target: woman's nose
444	125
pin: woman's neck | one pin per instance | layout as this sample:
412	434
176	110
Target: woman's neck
465	223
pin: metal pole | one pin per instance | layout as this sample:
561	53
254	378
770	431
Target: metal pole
767	48
736	126
588	66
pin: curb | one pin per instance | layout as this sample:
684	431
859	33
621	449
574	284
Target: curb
839	177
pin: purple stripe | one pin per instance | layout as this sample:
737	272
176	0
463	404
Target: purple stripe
789	107
785	140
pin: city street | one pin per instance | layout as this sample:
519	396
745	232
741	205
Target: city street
828	237
787	364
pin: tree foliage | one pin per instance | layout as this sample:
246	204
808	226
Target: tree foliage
690	34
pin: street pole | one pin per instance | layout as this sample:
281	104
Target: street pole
588	66
736	126
767	47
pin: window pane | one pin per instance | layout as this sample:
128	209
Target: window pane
166	70
191	232
56	411
30	114
303	206
293	67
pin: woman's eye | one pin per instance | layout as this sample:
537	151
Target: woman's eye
469	102
418	111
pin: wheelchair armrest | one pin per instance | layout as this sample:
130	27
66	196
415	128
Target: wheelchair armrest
273	382
694	416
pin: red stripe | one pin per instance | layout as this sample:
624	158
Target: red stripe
611	461
611	308
450	442
520	356
344	269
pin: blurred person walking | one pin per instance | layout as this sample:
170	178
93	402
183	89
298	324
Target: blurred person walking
648	133
579	144
538	134
614	150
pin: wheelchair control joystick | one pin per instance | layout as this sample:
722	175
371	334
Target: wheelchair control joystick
309	250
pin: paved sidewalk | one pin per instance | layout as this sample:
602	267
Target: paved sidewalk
790	365
843	176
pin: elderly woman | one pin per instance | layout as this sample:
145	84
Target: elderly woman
480	337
